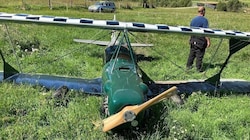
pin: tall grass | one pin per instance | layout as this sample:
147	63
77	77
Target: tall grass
29	112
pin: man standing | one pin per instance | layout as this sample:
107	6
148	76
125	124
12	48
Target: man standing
198	44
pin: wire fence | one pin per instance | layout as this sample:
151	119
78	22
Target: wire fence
62	3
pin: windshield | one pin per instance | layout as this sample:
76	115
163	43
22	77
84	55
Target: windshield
98	3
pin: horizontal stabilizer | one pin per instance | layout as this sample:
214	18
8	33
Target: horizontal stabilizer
141	45
106	43
100	43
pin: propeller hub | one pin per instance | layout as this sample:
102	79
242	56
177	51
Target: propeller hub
134	123
129	116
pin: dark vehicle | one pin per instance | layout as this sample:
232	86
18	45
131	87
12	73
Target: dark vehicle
102	6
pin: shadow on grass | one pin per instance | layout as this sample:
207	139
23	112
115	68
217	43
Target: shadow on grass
142	57
211	66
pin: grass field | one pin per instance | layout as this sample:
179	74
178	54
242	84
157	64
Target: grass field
29	113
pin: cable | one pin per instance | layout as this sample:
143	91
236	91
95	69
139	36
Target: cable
57	58
13	49
216	50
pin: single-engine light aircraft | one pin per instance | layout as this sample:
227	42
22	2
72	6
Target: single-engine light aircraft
128	90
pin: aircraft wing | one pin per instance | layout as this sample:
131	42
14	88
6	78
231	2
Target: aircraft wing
130	26
10	74
91	86
190	86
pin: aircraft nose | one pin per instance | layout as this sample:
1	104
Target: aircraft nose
124	97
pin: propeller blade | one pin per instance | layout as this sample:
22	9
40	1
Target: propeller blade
129	113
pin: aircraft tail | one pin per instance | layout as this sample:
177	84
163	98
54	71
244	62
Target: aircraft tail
8	70
234	46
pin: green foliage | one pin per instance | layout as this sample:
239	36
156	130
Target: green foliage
203	117
234	5
221	6
31	114
170	3
180	3
231	6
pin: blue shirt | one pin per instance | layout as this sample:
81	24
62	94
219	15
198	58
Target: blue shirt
199	21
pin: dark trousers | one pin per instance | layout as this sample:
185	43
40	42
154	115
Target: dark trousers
197	53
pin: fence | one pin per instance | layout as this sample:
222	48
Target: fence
62	3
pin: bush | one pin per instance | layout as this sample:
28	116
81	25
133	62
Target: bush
234	5
221	6
169	3
231	6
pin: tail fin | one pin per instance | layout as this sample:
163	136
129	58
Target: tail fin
8	70
234	46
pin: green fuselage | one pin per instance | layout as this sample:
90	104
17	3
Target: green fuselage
122	83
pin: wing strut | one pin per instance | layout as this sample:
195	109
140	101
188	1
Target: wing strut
234	46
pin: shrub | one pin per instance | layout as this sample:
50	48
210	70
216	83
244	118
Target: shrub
231	6
169	3
234	5
221	6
